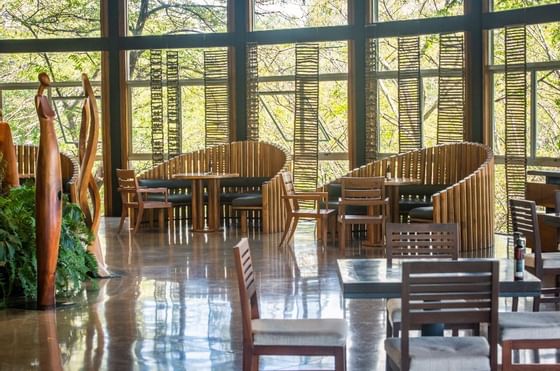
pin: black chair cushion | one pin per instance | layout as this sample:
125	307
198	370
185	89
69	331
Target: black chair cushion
426	212
244	182
421	190
166	183
175	199
229	197
254	200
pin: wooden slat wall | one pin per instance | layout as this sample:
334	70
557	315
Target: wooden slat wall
216	94
252	92
371	100
451	89
306	123
410	111
516	112
27	159
469	201
248	159
174	127
156	105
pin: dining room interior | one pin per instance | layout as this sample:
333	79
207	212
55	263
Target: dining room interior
280	185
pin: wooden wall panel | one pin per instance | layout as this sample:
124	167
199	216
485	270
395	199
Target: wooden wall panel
156	105
410	110
371	101
252	92
216	94
174	127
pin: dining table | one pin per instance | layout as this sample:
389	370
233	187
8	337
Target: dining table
213	180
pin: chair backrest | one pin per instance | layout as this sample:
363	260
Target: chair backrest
557	201
449	292
362	189
524	220
422	241
289	190
247	287
128	185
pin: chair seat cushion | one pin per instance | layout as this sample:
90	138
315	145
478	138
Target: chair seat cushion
244	182
407	204
426	212
394	310
299	332
551	260
529	325
165	183
175	199
253	200
432	353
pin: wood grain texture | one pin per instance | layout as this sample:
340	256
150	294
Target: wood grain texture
48	198
9	159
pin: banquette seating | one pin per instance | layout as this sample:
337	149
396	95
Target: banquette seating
456	186
257	190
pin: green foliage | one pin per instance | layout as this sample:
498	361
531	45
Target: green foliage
18	248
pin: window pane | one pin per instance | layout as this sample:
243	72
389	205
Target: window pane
543	43
515	4
395	10
274	14
548	114
32	19
176	17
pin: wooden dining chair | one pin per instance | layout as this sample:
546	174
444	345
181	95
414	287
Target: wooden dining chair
417	241
297	208
303	337
368	192
545	266
453	293
135	197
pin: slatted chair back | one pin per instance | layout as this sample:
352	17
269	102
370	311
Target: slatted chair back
450	292
247	287
524	219
128	186
289	190
362	191
422	241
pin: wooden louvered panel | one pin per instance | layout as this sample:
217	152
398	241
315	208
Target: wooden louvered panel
306	123
252	92
410	119
156	105
516	111
451	89
174	127
371	100
216	94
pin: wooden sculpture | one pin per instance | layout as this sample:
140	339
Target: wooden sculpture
48	198
87	188
8	157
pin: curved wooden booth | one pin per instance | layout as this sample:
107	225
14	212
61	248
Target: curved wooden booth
26	155
465	171
257	163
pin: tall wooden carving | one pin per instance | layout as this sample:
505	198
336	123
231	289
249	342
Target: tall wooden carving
252	92
48	199
516	111
306	123
216	94
9	160
410	112
371	100
87	187
451	86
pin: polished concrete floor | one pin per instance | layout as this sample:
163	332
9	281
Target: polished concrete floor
175	306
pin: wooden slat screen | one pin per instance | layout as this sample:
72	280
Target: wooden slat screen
216	94
306	123
371	100
516	111
174	127
252	92
451	89
156	105
410	112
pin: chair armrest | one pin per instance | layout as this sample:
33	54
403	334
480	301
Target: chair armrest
357	202
153	190
311	196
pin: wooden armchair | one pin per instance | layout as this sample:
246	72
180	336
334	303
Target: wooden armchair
304	337
544	265
362	191
293	201
135	197
454	293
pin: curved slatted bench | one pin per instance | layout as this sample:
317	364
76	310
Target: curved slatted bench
465	174
258	165
27	158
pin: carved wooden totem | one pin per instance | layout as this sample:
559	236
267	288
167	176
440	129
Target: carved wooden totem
48	199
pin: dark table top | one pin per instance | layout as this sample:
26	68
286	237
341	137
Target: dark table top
372	279
552	219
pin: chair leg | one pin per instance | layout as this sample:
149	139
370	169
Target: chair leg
514	304
243	221
170	218
324	224
536	303
342	238
340	359
160	219
139	218
506	356
292	230
287	228
124	214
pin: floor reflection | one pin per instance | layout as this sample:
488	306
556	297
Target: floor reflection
174	306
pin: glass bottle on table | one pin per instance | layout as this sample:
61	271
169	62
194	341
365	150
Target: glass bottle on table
519	244
388	171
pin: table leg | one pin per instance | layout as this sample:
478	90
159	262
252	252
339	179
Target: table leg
213	205
197	205
394	203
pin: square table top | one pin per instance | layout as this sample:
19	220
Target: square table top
205	176
372	279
